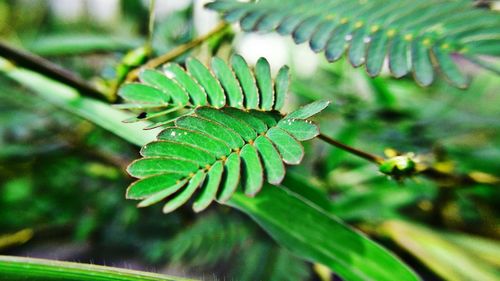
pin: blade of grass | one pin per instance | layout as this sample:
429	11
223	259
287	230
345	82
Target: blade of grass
70	100
20	268
438	252
317	236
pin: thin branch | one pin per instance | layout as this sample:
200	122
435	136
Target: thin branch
365	155
176	52
445	178
50	69
149	42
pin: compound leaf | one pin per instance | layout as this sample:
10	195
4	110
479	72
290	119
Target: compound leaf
218	150
406	32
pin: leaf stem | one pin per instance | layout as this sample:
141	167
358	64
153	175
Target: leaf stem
365	155
149	42
176	52
50	69
426	170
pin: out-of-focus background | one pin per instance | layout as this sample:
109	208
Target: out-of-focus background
62	179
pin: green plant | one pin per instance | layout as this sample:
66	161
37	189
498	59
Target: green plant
244	146
221	133
370	31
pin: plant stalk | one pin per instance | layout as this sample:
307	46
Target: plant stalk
49	69
365	155
176	52
149	42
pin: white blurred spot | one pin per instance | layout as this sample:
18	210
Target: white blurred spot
204	19
163	8
304	61
271	46
105	12
67	10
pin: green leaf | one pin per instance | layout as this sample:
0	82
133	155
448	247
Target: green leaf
319	237
336	45
281	87
252	121
265	84
228	82
308	110
195	91
299	129
376	53
358	45
270	119
290	149
233	147
158	165
231	177
435	249
150	185
252	176
321	36
421	61
398	61
182	197
275	170
213	129
240	127
247	81
177	150
237	86
404	31
160	195
135	92
20	268
169	87
486	249
209	187
449	69
212	87
199	140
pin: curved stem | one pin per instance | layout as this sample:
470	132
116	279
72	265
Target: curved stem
50	69
365	155
176	52
20	268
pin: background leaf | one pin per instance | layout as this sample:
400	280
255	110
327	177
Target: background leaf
17	268
68	99
432	248
430	33
317	236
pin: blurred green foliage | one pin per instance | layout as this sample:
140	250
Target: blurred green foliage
63	176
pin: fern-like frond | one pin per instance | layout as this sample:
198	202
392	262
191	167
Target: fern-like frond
237	86
211	239
217	150
215	239
416	36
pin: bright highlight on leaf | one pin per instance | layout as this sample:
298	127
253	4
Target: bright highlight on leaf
415	36
235	85
213	151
